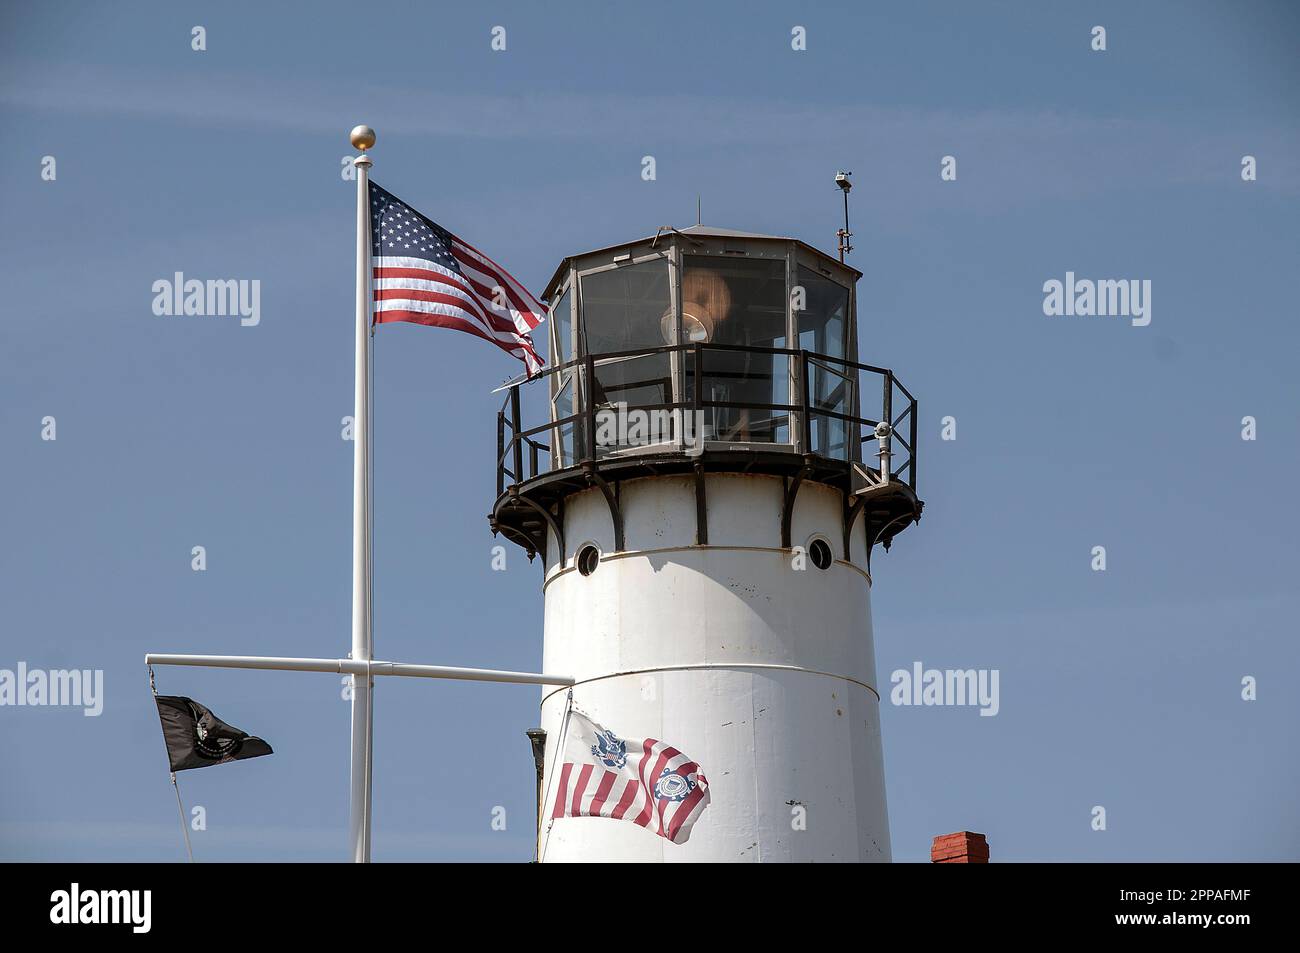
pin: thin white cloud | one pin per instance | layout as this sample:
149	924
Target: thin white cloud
1037	152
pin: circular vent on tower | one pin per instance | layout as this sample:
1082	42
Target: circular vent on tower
819	551
588	559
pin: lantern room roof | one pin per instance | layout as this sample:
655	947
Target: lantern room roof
712	231
694	232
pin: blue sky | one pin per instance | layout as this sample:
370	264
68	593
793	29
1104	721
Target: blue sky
1120	688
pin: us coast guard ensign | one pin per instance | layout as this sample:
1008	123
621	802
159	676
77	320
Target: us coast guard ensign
645	781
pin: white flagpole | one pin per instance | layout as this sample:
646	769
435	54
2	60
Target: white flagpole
363	708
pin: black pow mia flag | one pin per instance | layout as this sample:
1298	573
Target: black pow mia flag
196	738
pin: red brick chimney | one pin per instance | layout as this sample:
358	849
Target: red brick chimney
963	847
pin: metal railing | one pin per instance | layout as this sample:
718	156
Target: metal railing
823	414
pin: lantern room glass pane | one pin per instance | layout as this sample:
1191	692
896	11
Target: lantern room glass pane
564	405
629	308
623	308
636	381
833	390
824	329
739	301
562	321
824	319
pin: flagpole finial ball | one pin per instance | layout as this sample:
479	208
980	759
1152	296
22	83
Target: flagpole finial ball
363	137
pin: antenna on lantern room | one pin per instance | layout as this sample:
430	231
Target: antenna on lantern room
842	180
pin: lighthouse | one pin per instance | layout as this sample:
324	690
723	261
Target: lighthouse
705	470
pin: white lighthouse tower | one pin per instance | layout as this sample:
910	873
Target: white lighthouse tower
705	470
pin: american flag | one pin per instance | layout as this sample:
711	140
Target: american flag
426	275
645	781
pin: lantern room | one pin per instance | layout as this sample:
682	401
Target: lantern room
704	349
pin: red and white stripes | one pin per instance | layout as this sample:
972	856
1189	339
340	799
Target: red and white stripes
647	782
421	291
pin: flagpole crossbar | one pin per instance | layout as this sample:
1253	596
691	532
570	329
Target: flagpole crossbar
369	667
